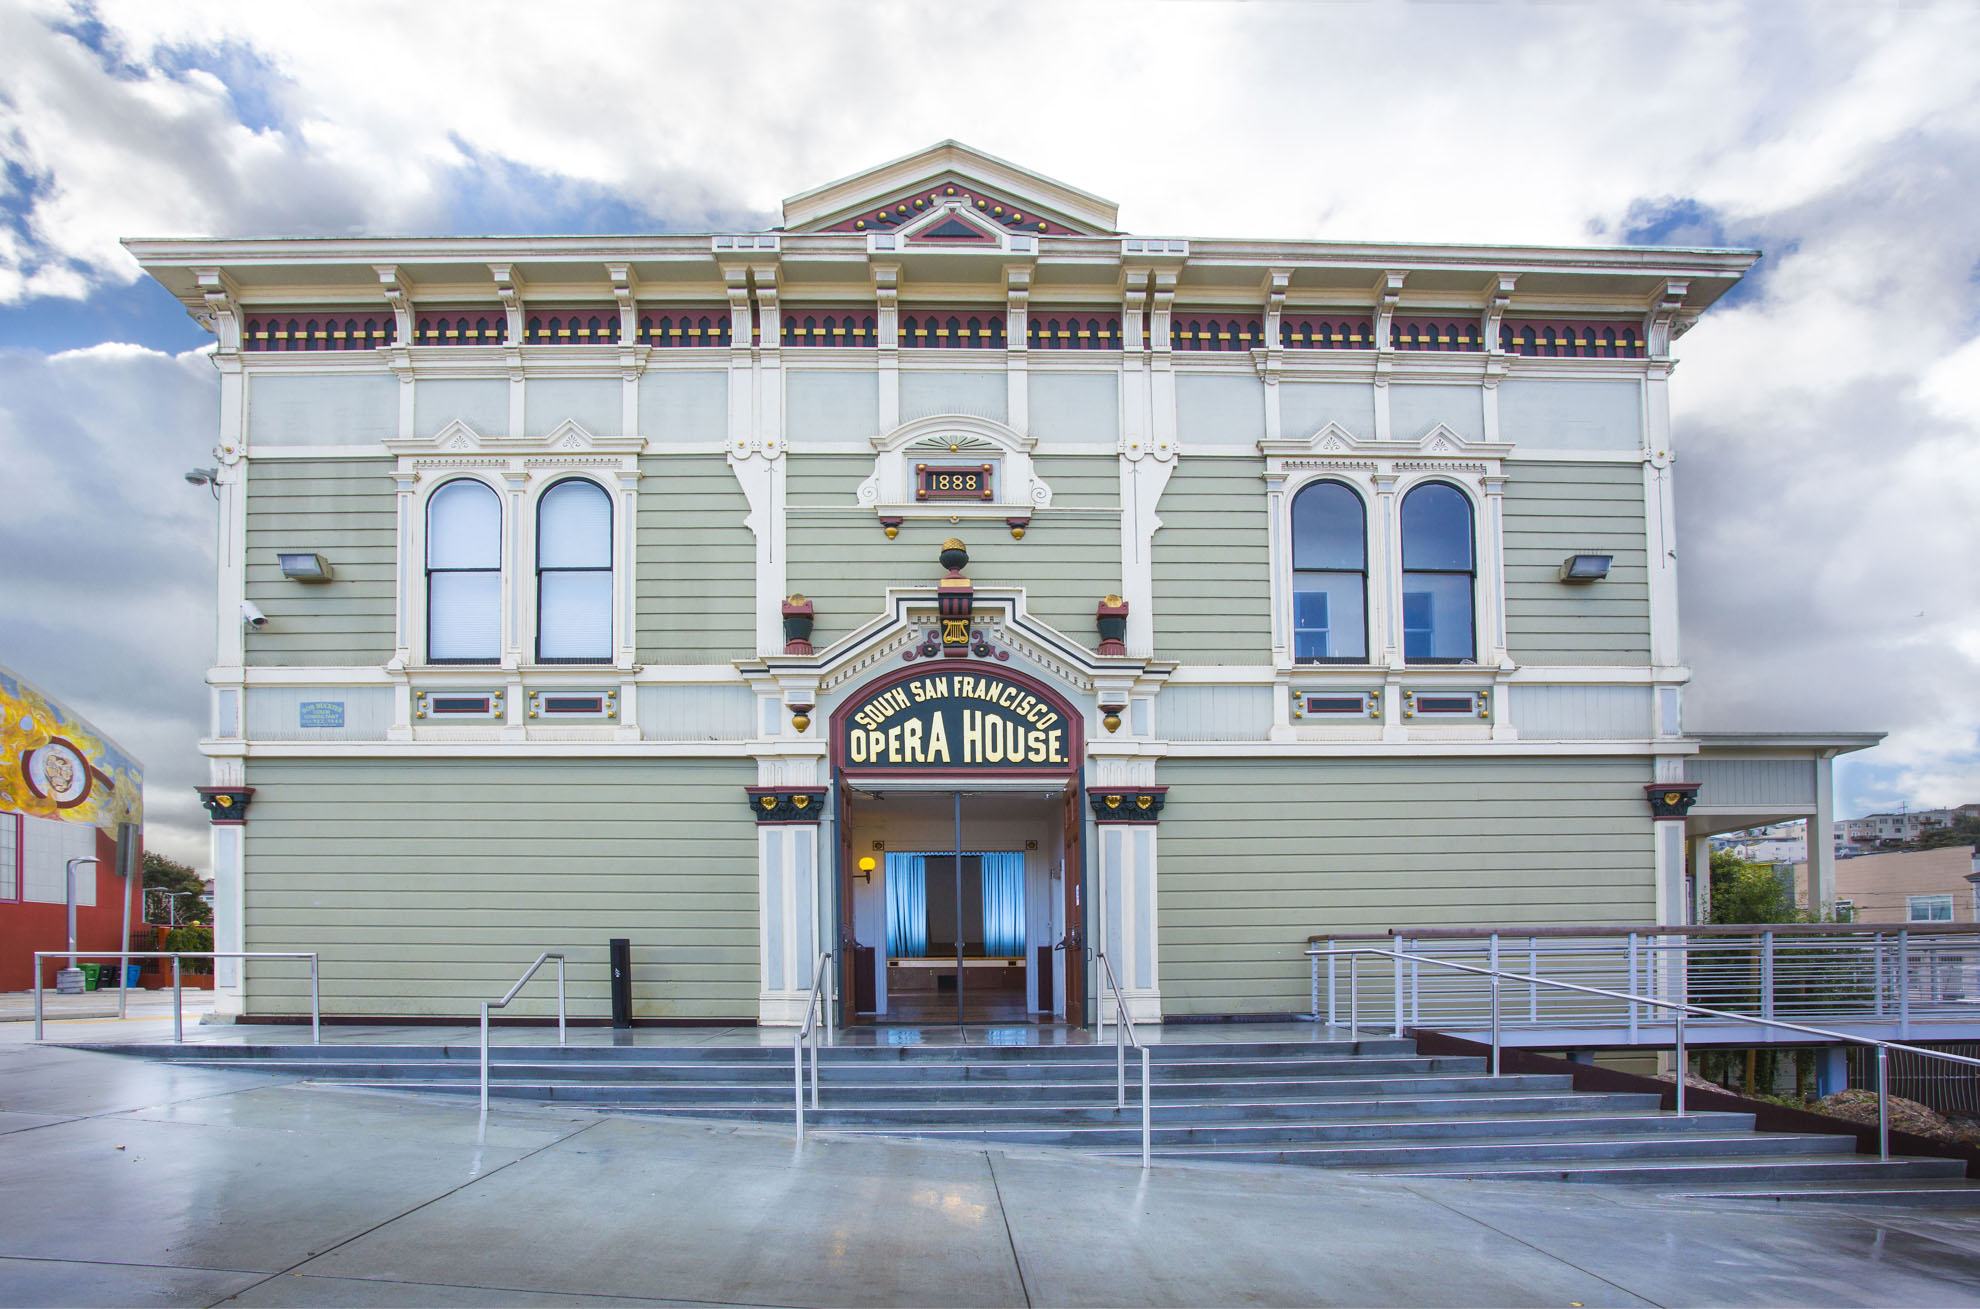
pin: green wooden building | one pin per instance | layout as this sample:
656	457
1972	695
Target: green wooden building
949	583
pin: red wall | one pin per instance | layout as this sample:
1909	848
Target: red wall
26	927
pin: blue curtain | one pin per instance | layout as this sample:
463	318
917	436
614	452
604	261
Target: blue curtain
907	906
1003	902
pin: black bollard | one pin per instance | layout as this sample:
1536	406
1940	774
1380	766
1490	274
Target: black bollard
621	982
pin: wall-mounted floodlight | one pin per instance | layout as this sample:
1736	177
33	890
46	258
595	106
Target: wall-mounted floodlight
206	477
305	567
1585	568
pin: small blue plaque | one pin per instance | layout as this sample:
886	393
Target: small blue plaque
322	713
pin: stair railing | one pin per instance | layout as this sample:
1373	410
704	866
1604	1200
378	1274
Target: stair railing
124	957
503	1003
808	1035
1123	1037
1495	976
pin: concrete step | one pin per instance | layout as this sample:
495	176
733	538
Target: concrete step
513	1067
773	1052
1169	1137
1751	1172
1546	1152
909	1117
965	1095
1908	1192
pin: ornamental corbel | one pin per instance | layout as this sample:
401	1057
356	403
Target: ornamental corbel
625	291
1668	319
1134	304
1017	306
220	311
735	284
887	298
509	290
1390	296
1495	314
1277	282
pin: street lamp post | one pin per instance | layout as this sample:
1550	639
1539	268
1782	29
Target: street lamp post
70	980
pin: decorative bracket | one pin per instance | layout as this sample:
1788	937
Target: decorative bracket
1671	799
1136	804
786	804
226	805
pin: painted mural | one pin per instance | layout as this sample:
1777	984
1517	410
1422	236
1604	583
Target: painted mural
53	764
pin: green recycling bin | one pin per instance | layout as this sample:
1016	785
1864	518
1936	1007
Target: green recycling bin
92	974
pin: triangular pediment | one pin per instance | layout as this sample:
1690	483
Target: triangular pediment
997	194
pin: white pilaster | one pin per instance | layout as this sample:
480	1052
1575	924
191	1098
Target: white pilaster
1125	925
1821	840
787	896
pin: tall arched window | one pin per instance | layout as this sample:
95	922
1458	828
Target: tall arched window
574	574
1330	574
464	574
1439	568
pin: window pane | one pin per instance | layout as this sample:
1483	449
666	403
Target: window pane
1436	616
574	527
1436	528
574	617
464	616
1328	621
1329	528
464	527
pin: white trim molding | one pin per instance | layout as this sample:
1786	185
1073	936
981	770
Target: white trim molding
1382	472
1016	488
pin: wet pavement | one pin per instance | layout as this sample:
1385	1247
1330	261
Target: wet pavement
133	1182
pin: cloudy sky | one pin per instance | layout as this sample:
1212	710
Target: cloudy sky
1828	413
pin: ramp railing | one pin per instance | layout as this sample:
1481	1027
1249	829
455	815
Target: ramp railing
1681	1014
1906	978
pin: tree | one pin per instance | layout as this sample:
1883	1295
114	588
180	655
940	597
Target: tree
1745	892
162	874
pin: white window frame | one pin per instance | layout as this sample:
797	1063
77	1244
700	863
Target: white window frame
1382	473
1913	903
425	586
620	616
1369	644
519	470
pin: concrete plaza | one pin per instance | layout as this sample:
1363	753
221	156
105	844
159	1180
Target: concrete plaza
129	1182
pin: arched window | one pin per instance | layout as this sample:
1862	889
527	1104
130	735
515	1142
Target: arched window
574	574
1438	571
464	574
1330	575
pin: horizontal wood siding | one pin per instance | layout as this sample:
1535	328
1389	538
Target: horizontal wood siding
842	562
696	565
1582	713
1752	783
1257	855
1213	567
1555	510
346	511
430	885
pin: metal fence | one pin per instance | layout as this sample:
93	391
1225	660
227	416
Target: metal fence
1881	974
1948	1088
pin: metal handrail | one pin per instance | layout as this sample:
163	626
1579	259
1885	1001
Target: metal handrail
178	994
1123	1037
808	1034
1861	927
1679	1009
503	1003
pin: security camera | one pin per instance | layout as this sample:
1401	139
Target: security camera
252	615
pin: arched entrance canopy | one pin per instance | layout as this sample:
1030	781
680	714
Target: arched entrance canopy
956	718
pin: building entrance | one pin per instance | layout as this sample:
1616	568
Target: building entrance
961	906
